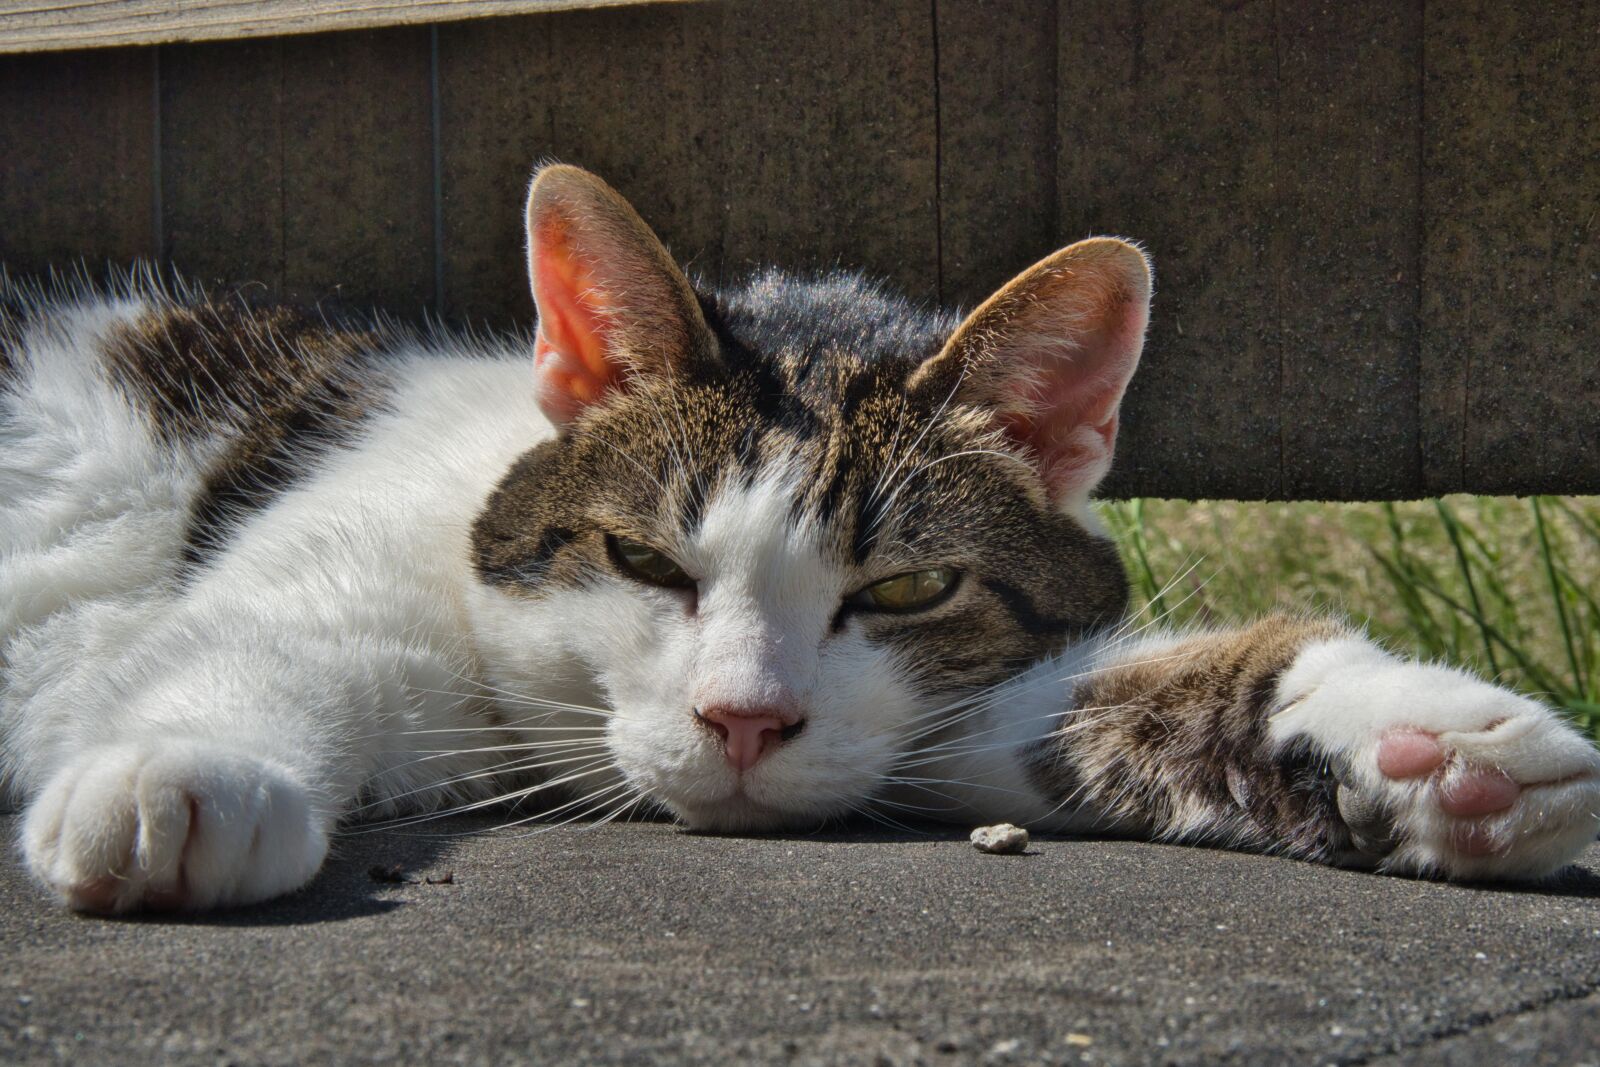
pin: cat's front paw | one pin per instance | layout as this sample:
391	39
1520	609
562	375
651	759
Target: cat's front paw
172	825
1443	774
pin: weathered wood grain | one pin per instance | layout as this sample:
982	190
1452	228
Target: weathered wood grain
997	142
222	162
609	90
1166	134
747	134
652	124
829	138
77	159
303	166
1346	245
496	85
70	24
358	187
1511	271
1374	230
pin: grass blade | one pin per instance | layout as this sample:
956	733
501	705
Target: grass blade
1453	531
1556	595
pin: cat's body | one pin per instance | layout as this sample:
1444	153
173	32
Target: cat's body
761	558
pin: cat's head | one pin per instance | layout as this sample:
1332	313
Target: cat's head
782	526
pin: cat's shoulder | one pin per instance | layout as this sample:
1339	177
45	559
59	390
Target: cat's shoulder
196	362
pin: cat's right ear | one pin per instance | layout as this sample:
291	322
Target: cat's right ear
612	303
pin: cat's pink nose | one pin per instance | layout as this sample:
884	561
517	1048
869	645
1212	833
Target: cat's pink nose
747	734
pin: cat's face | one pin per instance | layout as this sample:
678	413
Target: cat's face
782	529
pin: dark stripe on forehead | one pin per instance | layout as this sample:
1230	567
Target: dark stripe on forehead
833	474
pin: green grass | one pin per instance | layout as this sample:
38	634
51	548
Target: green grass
1506	587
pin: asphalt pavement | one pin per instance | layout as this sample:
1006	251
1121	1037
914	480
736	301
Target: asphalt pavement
645	944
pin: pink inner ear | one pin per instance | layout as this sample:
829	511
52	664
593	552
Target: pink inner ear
571	355
1068	414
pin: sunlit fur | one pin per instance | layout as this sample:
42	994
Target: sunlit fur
189	715
762	623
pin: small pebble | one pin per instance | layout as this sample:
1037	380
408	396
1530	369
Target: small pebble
1001	838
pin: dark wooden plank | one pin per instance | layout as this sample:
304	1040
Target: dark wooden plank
97	23
1347	246
631	94
222	159
358	187
77	159
496	83
649	120
829	138
1166	113
1511	376
997	142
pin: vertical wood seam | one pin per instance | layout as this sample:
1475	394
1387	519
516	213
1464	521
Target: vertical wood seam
158	225
1419	345
283	171
1274	242
938	162
437	133
1055	125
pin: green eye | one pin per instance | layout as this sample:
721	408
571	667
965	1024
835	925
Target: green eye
646	564
911	591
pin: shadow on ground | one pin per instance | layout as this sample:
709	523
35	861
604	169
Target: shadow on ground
643	943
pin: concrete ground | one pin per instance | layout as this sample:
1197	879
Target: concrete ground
644	944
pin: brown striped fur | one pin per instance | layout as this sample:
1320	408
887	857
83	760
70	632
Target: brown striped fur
207	366
815	377
270	384
1174	743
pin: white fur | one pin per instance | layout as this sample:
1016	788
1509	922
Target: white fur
1342	695
327	653
1345	695
758	637
195	739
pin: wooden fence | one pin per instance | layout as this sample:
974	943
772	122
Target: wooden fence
1374	221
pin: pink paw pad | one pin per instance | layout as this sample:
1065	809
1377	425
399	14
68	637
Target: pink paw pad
1479	792
1409	754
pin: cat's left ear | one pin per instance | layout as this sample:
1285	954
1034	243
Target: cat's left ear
1050	356
612	303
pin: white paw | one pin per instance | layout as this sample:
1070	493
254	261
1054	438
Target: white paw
1442	773
172	825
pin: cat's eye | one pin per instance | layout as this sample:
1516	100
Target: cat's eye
911	591
639	560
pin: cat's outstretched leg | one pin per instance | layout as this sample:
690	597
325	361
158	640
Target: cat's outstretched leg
173	825
208	766
1302	737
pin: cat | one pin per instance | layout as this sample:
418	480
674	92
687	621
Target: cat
756	558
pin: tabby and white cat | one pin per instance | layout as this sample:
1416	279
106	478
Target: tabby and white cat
761	557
